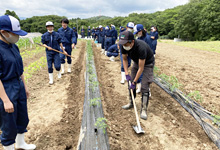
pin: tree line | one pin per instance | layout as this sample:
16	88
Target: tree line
196	20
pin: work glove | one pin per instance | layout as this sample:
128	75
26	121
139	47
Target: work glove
132	86
128	77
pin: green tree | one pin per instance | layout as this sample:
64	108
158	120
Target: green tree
12	13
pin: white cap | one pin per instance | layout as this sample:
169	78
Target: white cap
100	26
130	25
106	28
49	23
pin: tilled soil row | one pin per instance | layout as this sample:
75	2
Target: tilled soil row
168	126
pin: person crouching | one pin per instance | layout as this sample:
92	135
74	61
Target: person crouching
113	52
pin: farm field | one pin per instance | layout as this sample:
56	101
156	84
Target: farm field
55	111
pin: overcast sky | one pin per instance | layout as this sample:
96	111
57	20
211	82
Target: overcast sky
85	8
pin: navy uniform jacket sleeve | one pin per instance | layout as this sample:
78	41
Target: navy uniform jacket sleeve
73	37
156	35
1	72
113	48
59	39
43	39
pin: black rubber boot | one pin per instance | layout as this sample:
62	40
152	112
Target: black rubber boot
144	105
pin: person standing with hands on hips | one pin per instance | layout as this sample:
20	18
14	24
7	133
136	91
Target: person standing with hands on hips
13	90
69	42
143	59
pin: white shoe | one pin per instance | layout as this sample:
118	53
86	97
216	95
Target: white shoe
51	78
105	53
138	88
62	68
21	144
59	75
10	147
112	58
149	93
123	78
69	68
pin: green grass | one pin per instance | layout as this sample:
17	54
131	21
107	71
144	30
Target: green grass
213	46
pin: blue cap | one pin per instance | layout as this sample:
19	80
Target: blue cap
107	27
138	28
11	24
74	28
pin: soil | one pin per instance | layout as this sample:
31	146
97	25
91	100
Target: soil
55	111
168	126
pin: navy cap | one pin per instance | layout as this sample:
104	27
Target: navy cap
126	37
138	28
11	24
74	28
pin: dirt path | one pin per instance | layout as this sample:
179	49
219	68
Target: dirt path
197	70
55	110
168	126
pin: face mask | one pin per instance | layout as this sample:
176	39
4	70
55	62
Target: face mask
50	31
139	35
129	29
12	39
127	48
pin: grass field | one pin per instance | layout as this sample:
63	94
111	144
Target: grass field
213	46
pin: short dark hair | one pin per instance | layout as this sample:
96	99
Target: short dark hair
65	21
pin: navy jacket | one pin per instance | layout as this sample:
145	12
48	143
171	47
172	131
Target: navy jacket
68	37
51	39
11	65
113	48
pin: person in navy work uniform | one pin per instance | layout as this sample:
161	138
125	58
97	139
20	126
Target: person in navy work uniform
93	32
52	40
13	90
82	33
114	35
76	34
142	35
113	52
102	38
108	38
68	41
154	37
129	27
143	59
88	32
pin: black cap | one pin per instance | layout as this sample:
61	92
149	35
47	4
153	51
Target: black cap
126	37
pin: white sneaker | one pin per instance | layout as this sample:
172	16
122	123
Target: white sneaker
149	93
138	88
62	68
21	144
112	58
69	68
123	78
105	53
51	78
10	147
59	75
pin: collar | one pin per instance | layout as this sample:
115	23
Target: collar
67	28
5	44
